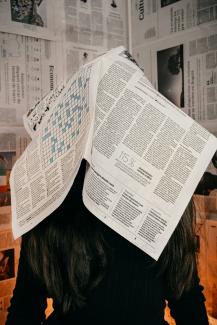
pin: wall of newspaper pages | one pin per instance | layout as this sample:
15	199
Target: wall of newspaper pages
175	42
38	52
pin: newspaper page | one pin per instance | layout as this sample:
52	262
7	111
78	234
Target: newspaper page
30	18
145	155
184	69
9	258
29	68
155	19
99	23
76	56
42	177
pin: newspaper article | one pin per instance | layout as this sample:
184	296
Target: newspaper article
155	19
184	69
29	68
30	18
142	170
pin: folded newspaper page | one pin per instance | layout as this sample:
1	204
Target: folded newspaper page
144	155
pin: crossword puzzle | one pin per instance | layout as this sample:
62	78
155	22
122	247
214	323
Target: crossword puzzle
68	120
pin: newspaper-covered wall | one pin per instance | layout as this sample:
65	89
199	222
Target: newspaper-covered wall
184	69
175	43
42	43
157	19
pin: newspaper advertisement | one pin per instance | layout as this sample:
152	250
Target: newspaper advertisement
160	18
30	18
145	155
100	23
184	69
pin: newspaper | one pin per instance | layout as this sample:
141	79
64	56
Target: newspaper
155	19
96	23
89	29
184	69
29	69
144	155
36	18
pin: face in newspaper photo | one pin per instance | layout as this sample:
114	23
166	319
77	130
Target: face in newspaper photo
27	11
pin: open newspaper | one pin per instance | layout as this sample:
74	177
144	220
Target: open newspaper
144	156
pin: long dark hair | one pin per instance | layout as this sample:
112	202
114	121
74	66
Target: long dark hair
179	258
70	258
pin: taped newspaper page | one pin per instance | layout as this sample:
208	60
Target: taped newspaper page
184	69
34	18
145	155
156	19
77	55
28	70
96	23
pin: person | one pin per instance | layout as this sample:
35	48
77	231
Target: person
95	276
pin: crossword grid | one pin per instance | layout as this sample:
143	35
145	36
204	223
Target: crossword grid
68	120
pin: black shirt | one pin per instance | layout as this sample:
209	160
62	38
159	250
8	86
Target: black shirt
130	293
